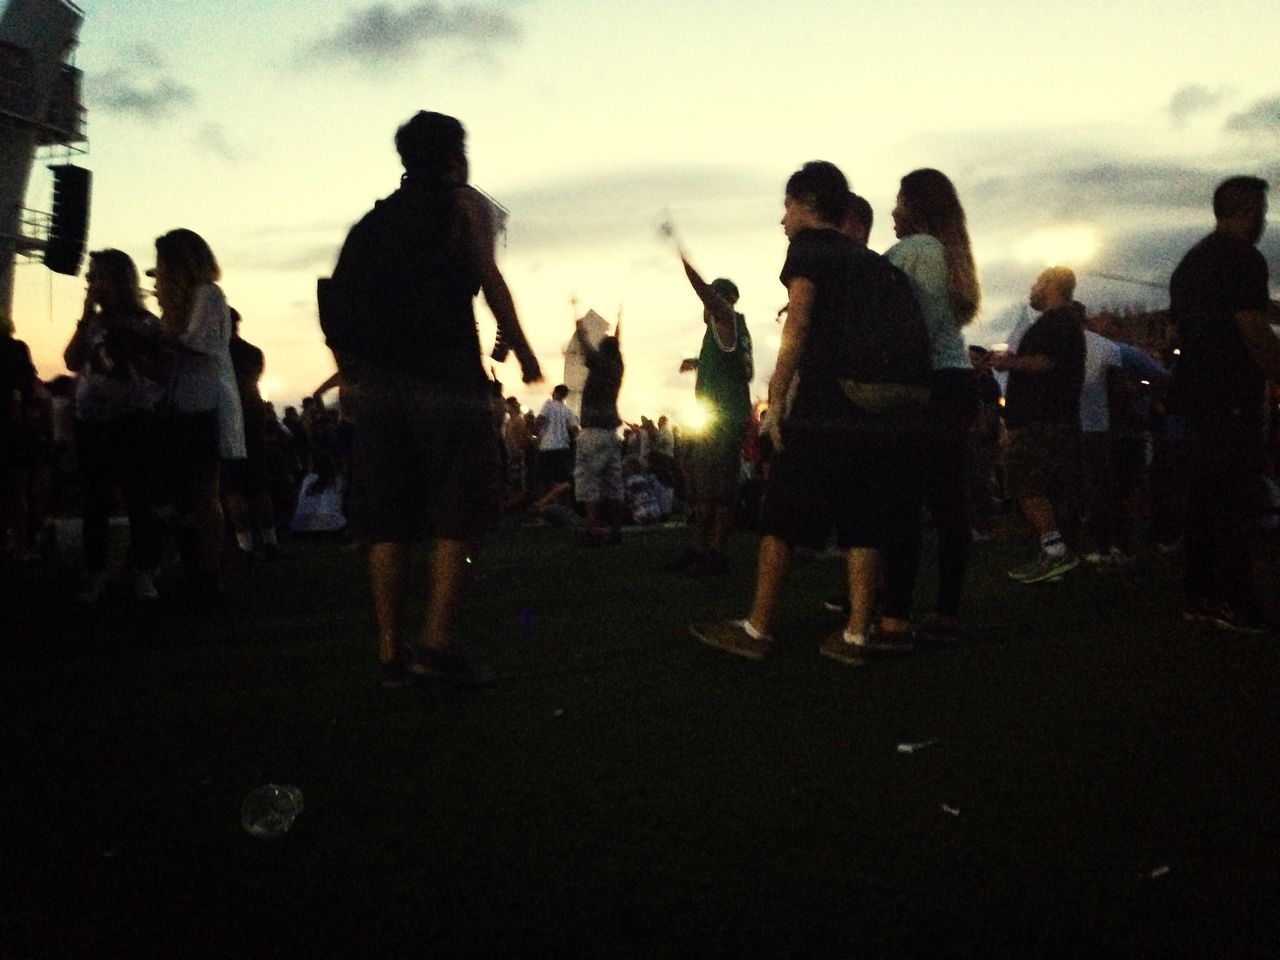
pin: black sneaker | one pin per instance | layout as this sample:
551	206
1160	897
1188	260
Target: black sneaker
394	675
452	667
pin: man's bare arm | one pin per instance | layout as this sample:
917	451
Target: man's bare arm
721	309
1262	344
478	227
800	301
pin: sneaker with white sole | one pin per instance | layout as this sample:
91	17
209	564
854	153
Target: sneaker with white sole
838	647
731	636
1046	567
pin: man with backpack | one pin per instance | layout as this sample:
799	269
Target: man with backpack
856	351
399	317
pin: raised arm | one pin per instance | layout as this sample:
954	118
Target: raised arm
721	309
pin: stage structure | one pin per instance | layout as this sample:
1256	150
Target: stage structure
596	328
41	116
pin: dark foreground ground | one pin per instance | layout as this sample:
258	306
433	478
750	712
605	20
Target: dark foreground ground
1104	781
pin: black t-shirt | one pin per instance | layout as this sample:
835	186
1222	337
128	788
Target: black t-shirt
600	393
1217	382
405	269
1052	396
854	319
847	278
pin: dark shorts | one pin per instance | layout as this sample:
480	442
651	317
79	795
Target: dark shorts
715	464
424	464
1043	459
862	485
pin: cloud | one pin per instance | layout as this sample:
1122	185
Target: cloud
1084	190
149	97
1263	117
212	139
380	34
1195	99
139	84
1132	269
587	210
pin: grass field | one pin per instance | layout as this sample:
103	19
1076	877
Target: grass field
1104	781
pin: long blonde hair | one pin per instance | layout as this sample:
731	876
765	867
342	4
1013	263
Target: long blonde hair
187	264
933	207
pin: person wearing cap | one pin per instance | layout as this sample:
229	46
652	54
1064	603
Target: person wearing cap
723	388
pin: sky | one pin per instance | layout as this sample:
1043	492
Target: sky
1090	134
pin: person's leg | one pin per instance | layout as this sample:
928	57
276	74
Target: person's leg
237	508
946	498
210	526
448	579
94	454
1039	513
389	582
721	524
137	481
771	570
703	521
898	486
264	511
863	564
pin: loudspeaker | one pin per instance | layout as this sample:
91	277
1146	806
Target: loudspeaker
70	222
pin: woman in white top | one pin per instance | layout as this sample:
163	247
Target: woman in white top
933	250
205	424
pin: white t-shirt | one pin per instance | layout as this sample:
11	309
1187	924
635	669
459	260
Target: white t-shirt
924	260
1100	354
557	431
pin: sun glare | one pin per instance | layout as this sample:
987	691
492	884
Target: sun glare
1067	245
696	417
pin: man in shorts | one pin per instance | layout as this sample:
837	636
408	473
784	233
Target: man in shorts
597	471
425	460
1042	413
723	388
557	430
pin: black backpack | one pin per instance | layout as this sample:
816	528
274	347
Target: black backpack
885	366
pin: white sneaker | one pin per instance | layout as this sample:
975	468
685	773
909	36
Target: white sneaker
144	586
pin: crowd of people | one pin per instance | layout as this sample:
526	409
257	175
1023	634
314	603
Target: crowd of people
163	421
878	416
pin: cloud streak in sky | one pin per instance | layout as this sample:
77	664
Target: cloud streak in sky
1195	100
383	34
1263	117
148	97
631	203
139	85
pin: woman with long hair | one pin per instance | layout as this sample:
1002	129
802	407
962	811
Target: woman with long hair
205	425
933	250
115	355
